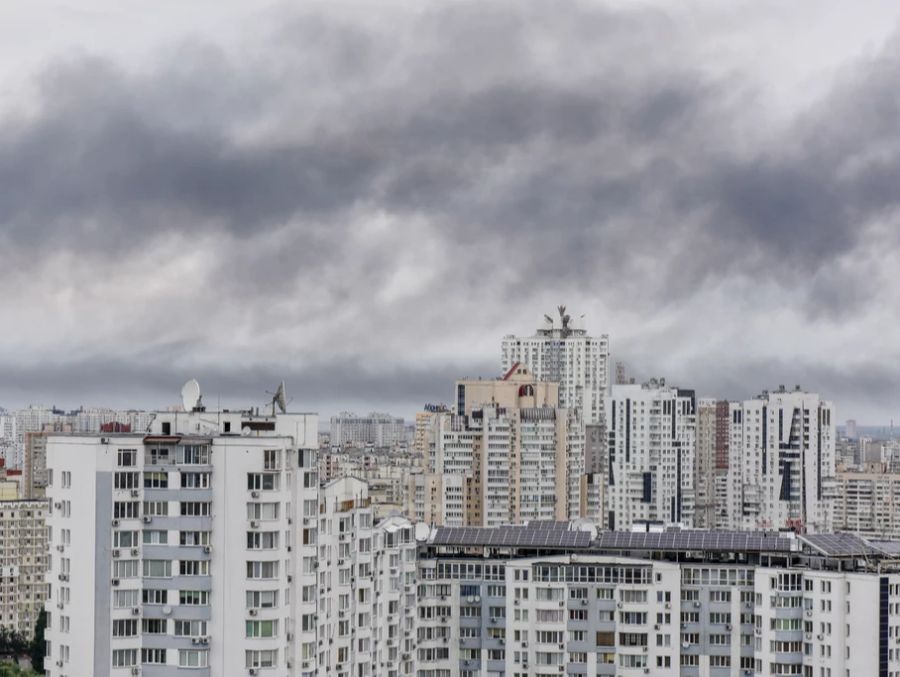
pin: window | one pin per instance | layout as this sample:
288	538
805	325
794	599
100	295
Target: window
125	539
272	459
261	659
196	508
156	480
190	628
193	597
125	599
124	627
262	481
193	454
262	569
124	658
262	511
262	540
193	658
153	656
155	596
156	508
153	626
126	510
121	480
157	568
125	568
126	458
156	537
194	538
262	628
195	480
262	599
191	567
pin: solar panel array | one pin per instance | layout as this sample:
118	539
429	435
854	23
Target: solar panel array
708	541
839	545
512	536
891	548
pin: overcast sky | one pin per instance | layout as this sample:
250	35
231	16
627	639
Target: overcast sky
364	198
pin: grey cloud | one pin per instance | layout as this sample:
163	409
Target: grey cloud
541	147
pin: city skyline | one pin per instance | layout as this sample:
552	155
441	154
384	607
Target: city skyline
293	193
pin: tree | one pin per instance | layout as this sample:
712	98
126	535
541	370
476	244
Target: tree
38	648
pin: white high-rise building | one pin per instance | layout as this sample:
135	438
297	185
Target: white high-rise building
781	460
650	455
564	353
23	563
8	438
185	549
366	586
380	430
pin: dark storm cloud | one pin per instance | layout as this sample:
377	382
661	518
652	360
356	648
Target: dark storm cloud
540	146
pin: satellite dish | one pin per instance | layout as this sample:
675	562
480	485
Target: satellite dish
280	399
190	395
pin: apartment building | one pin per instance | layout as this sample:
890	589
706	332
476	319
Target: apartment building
366	586
781	461
867	501
650	455
711	464
562	352
521	454
548	600
179	550
380	430
23	563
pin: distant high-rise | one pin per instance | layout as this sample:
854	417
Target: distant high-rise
850	429
781	459
711	464
380	430
563	352
650	457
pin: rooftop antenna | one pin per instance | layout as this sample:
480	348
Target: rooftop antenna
190	395
279	398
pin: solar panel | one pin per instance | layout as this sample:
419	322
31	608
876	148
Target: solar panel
839	545
709	541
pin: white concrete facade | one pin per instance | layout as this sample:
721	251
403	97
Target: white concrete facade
650	455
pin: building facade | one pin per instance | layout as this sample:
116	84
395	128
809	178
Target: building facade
781	460
650	455
562	352
182	550
380	430
23	563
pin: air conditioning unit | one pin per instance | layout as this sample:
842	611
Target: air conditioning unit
60	605
58	505
290	578
135	493
115	554
63	577
619	605
147	519
253	612
60	548
252	671
135	552
135	670
207	549
697	605
656	627
728	627
59	664
562	646
136	611
115	523
584	602
290	636
820	637
809	613
254	494
254	524
646	649
115	581
668	605
195	640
